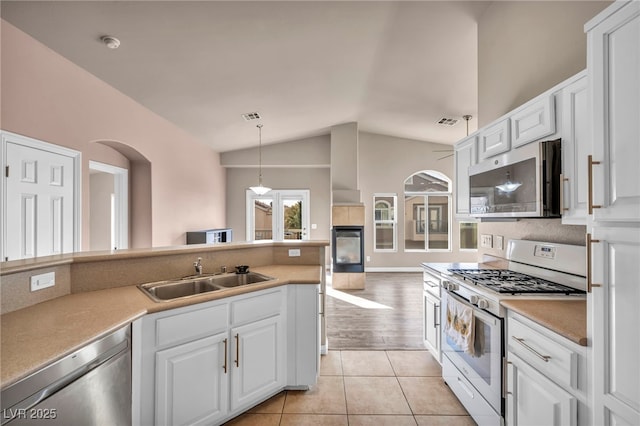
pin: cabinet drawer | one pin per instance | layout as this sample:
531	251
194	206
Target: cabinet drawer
257	307
191	325
546	355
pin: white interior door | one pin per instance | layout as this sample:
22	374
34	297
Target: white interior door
40	207
278	215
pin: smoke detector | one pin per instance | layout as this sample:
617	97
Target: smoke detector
110	41
250	116
447	121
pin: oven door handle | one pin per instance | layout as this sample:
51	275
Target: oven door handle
477	312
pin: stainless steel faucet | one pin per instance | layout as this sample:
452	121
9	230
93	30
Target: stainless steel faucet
198	265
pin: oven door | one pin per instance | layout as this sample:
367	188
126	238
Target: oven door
484	370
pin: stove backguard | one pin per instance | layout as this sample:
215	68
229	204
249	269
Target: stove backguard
347	248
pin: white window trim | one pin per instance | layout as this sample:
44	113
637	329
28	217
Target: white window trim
278	195
394	222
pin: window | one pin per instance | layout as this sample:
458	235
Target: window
427	207
278	215
468	235
384	219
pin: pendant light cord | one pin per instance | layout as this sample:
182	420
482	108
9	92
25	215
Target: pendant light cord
259	126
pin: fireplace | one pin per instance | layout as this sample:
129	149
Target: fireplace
347	248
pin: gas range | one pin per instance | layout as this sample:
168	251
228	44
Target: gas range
536	270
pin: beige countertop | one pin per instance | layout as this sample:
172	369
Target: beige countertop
40	334
568	318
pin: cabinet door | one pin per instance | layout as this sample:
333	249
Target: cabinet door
615	313
258	361
576	146
614	67
533	122
464	156
532	399
494	140
432	324
191	382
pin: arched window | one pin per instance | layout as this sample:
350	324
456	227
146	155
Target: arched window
427	212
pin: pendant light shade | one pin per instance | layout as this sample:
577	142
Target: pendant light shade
260	189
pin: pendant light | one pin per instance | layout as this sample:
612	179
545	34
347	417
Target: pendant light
260	189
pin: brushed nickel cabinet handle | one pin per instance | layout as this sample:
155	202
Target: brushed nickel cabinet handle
224	367
591	163
520	340
237	361
590	284
562	181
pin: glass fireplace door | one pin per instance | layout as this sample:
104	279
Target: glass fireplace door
348	249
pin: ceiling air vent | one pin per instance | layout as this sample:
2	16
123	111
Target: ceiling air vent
447	121
250	116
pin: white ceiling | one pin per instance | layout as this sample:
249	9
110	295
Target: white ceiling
394	67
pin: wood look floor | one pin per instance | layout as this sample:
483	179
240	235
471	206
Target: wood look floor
393	323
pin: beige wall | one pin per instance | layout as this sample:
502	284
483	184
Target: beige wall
525	48
47	97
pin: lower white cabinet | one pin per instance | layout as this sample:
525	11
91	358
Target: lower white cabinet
546	376
431	312
209	362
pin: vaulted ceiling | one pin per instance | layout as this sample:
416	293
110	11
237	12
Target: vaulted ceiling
394	67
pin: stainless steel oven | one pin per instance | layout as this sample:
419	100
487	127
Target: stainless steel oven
481	370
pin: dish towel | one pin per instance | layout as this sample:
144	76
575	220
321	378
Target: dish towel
460	325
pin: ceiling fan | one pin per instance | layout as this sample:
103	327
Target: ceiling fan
466	118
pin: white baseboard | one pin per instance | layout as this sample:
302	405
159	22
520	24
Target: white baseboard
394	269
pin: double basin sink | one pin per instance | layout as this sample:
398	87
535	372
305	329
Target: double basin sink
165	291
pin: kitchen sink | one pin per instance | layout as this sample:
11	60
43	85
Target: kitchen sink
164	291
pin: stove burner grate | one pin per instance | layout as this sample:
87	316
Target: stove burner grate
506	281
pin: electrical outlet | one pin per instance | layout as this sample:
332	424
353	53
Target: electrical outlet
498	242
486	240
38	282
294	252
368	258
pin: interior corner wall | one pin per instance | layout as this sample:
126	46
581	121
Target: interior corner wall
47	97
527	47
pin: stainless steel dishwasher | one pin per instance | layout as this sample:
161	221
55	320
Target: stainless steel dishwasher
91	386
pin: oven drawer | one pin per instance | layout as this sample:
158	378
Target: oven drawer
545	354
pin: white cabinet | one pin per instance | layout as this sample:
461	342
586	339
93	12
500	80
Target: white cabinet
614	67
258	361
206	363
431	313
576	146
465	155
613	242
191	382
546	376
532	399
615	321
494	140
533	121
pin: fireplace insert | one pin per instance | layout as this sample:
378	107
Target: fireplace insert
347	248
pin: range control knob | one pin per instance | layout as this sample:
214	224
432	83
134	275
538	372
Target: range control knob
452	286
444	284
483	304
473	299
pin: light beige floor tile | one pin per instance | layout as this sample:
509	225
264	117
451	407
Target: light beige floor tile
327	397
381	420
445	421
272	405
250	419
314	420
366	363
429	395
331	364
375	395
414	363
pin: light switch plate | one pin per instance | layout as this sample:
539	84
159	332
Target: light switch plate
294	252
486	240
498	242
38	282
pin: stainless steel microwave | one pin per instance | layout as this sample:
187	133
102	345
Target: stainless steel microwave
524	182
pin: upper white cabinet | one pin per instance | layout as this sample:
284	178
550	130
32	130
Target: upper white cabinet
465	155
494	140
614	70
533	121
576	146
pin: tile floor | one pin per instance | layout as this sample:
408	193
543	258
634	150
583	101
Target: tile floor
360	388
